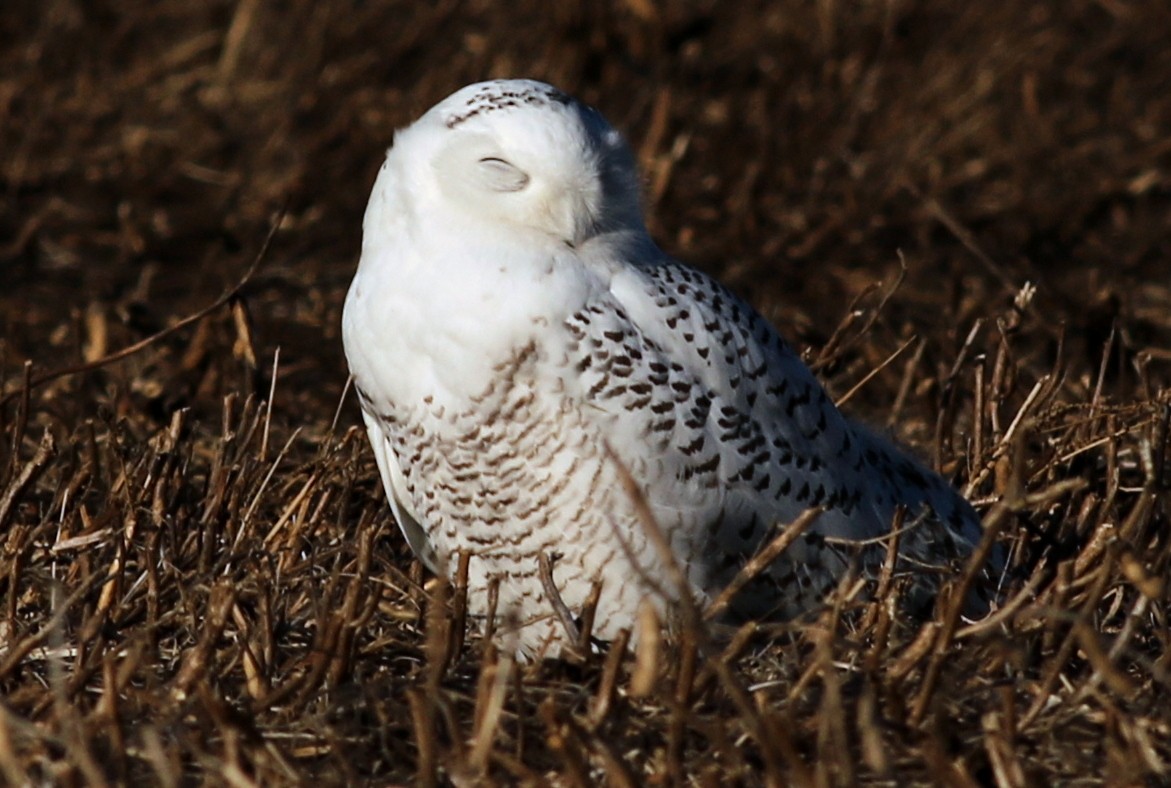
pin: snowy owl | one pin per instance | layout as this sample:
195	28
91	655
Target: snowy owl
521	349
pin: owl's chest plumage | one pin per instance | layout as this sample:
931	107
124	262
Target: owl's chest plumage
517	474
437	318
489	473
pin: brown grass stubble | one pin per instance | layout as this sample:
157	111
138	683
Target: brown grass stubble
190	600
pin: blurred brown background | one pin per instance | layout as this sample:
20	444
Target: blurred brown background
794	149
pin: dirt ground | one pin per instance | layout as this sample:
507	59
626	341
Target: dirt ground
966	207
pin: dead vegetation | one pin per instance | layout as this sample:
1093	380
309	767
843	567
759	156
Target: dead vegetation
201	582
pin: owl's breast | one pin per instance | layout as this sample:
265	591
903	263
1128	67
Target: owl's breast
441	325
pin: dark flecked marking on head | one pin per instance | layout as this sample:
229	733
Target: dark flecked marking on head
492	98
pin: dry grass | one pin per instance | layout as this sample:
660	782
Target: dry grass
201	581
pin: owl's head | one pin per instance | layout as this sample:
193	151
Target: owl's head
522	154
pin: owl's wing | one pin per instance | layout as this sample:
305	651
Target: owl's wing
730	434
396	493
